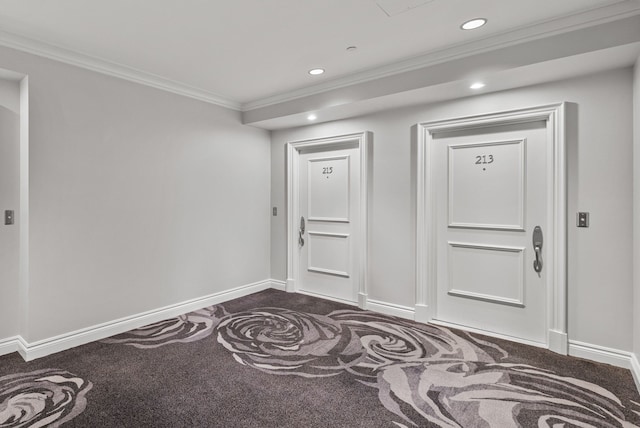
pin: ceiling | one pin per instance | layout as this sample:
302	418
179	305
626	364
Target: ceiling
251	54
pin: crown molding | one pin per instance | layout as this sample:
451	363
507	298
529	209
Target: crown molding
616	10
40	48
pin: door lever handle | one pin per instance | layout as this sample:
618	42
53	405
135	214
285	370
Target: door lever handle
537	247
537	263
301	232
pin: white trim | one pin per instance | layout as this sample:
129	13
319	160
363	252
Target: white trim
423	313
276	284
555	26
23	214
110	68
558	341
362	300
9	345
614	10
487	333
601	354
363	141
391	309
42	348
635	370
426	280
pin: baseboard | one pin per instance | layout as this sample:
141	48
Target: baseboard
290	286
558	342
635	370
9	345
278	285
601	354
42	348
390	309
423	313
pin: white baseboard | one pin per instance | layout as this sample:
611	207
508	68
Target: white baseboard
558	342
290	286
635	370
362	300
391	309
601	354
9	345
42	348
423	313
278	285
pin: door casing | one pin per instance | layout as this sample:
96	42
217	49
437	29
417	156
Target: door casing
426	252
362	140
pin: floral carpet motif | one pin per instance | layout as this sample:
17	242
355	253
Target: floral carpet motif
425	375
41	398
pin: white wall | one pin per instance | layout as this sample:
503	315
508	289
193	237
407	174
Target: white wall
9	200
636	207
138	198
600	169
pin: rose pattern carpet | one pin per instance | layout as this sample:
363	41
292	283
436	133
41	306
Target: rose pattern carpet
425	374
41	398
400	373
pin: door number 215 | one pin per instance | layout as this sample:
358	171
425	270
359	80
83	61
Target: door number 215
484	159
327	170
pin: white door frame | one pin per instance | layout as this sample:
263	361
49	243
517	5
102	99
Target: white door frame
362	140
426	286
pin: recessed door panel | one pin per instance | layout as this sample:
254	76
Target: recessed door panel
329	253
328	189
487	185
487	272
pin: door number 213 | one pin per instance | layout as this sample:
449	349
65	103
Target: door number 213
484	159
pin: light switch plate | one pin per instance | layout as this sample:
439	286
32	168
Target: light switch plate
8	217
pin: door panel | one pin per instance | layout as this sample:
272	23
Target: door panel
328	189
483	192
329	253
490	194
501	269
328	200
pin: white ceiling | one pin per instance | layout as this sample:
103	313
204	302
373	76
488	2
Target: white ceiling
248	53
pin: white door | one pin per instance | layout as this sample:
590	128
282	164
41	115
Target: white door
491	194
328	222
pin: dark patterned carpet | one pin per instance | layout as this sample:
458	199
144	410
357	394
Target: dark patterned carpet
274	359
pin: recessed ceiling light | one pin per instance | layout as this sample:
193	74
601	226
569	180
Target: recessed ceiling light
473	24
312	117
477	85
316	71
